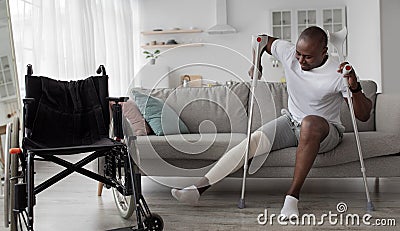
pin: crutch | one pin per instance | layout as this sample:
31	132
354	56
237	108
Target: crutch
337	40
258	42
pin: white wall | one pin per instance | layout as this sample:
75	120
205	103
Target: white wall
253	17
364	39
390	34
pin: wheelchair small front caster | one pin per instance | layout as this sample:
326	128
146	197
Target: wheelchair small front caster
154	223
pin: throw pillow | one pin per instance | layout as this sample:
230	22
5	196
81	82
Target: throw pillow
133	115
162	119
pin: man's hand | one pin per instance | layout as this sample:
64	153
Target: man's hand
351	76
251	71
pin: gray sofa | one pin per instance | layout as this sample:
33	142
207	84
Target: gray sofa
217	119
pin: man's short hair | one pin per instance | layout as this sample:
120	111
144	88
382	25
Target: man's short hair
316	34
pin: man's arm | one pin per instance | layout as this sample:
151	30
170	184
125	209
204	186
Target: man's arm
267	48
361	104
269	44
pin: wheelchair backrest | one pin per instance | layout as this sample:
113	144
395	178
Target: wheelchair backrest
67	113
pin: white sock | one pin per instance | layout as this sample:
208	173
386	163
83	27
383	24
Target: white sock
289	208
188	195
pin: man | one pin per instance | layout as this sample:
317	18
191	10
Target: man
315	89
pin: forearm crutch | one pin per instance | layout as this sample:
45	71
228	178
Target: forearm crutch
258	43
337	40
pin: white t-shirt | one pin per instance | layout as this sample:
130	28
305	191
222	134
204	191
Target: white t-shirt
319	91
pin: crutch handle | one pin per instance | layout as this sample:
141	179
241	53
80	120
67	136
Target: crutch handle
346	70
258	44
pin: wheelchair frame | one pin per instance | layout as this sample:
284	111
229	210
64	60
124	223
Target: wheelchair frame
117	156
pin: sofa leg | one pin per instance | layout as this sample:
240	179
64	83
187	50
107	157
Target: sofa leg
100	188
376	184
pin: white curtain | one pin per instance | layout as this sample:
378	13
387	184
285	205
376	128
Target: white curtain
69	39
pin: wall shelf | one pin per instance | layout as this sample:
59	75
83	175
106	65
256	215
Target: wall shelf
172	45
171	32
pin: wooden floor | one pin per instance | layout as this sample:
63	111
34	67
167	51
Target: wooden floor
73	205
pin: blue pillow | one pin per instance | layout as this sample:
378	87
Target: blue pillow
162	119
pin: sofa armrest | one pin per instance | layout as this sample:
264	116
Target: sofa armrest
388	113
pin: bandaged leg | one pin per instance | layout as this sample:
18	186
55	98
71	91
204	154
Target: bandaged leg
229	162
188	195
277	130
234	158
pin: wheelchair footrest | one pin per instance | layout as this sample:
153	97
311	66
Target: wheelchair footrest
126	229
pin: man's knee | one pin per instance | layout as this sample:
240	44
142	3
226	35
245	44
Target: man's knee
313	126
259	143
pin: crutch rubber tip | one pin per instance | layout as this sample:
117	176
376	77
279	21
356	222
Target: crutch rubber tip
241	204
370	207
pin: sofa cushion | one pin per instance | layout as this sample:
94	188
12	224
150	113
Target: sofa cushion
369	88
213	146
218	109
188	146
162	119
270	98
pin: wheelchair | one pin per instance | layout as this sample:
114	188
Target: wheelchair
65	118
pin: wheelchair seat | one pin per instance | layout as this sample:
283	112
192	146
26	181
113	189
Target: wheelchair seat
100	145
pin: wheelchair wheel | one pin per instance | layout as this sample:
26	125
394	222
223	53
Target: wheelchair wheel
154	222
125	204
11	175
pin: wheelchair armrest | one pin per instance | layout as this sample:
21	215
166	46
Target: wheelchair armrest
28	100
117	99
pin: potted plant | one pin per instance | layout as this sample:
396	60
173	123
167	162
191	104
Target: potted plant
152	56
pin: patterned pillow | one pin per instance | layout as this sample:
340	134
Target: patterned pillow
162	119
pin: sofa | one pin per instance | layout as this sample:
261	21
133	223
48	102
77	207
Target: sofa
216	120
